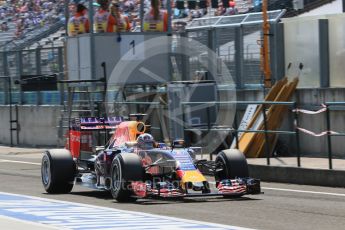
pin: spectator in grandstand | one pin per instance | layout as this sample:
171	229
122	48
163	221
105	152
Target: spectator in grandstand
155	19
197	12
135	22
122	23
257	5
128	6
233	9
24	8
183	13
4	27
2	13
229	11
103	20
72	8
79	24
27	14
179	26
19	27
226	11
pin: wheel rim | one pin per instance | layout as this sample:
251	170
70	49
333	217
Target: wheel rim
116	177
45	170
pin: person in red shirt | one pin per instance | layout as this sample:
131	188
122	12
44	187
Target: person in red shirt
78	24
104	22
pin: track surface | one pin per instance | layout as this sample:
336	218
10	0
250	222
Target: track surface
283	206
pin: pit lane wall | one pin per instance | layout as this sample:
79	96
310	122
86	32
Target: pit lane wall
38	124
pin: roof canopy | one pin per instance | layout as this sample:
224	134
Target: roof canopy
234	20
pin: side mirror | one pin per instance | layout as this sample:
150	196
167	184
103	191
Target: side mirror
98	148
161	145
180	143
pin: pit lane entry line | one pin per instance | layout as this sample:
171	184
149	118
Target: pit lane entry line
70	215
304	191
19	162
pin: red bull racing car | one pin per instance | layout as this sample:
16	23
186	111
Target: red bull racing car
132	165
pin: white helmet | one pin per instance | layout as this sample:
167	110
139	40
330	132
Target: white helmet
145	141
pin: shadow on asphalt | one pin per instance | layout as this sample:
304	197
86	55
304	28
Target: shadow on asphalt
105	195
192	200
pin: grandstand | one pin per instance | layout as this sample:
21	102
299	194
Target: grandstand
9	33
29	21
333	7
30	24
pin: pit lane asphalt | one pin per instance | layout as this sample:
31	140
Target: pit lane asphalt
283	206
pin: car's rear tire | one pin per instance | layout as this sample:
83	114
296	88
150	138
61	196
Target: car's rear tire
58	171
233	163
125	168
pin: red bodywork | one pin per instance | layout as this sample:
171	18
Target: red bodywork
79	141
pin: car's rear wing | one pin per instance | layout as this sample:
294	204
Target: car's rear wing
80	135
95	123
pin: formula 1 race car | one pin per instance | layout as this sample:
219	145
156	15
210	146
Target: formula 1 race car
132	165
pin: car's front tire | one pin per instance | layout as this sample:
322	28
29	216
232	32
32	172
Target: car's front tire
233	164
125	168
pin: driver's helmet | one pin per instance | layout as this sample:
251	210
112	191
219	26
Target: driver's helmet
145	141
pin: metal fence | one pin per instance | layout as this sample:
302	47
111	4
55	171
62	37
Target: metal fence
237	42
38	61
234	129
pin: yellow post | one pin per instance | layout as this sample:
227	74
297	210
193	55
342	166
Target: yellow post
265	50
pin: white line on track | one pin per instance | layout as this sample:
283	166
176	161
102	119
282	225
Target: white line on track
304	191
19	162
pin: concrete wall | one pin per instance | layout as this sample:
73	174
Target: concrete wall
37	125
319	177
317	123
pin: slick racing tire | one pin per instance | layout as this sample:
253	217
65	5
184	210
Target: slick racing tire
232	163
58	171
125	168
